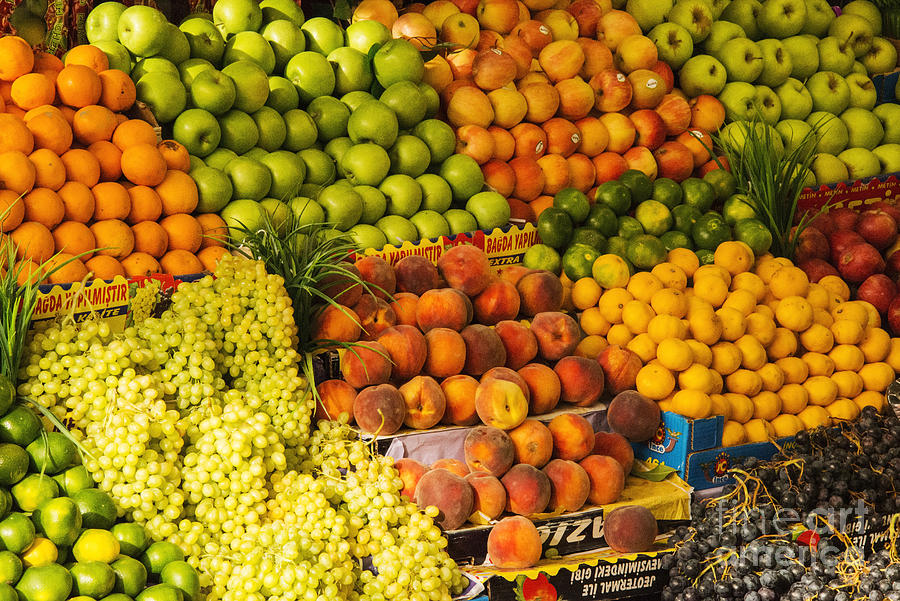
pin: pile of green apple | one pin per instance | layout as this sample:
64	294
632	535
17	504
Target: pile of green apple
281	114
796	64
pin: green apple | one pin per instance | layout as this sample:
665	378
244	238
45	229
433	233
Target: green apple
283	96
330	115
854	31
430	224
860	162
804	56
490	210
320	169
198	131
438	137
829	92
251	85
101	23
362	35
719	33
373	121
219	157
464	176
742	59
336	148
397	229
782	18
881	57
250	46
745	13
674	45
793	132
312	74
204	38
352	71
301	130
177	48
436	193
835	56
213	189
863	127
739	100
889	156
191	68
432	100
828	169
768	104
143	30
889	113
403	194
409	156
322	35
374	203
777	65
796	102
307	211
649	13
288	172
356	98
285	39
163	93
153	64
405	99
717	7
213	91
460	221
398	60
863	93
367	236
278	213
233	16
195	163
831	133
256	153
695	16
249	178
703	74
240	215
867	11
239	132
281	10
117	55
819	16
343	206
365	164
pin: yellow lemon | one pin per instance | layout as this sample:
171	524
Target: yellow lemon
655	382
765	269
751	282
821	390
847	331
784	344
591	346
817	338
836	286
870	398
847	356
712	289
718	383
696	377
585	293
874	320
822	317
733	434
41	552
849	383
702	354
733	323
852	310
818	364
726	357
893	357
795	369
611	271
742	300
95	544
794	398
877	376
772	377
593	323
720	405
771	302
663	327
789	281
692	403
843	409
714	270
619	334
814	417
795	313
735	256
643	346
766	405
612	302
637	315
759	430
670	301
705	326
741	407
684	258
643	285
818	296
697	304
875	345
675	354
834	302
753	354
744	381
766	310
671	275
787	425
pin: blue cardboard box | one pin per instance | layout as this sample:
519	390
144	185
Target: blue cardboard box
710	468
678	437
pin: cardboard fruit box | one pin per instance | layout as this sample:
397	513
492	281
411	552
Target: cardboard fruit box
853	194
678	437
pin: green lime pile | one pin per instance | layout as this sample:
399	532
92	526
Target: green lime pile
58	534
642	220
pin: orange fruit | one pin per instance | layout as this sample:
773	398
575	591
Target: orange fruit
175	155
5	87
180	262
184	232
14	135
50	131
44	206
68	114
150	238
78	86
75	238
12	213
65	268
78	201
93	123
44	61
138	264
34	241
16	57
209	257
133	132
104	267
28	273
110	158
114	237
15	111
215	231
89	56
111	201
16	172
32	90
142	164
49	170
178	193
81	166
145	204
44	108
117	90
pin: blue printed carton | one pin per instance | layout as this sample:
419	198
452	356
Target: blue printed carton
678	437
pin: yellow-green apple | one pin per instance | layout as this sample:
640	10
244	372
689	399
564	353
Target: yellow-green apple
398	60
212	91
271	127
119	57
240	216
362	35
889	156
649	13
768	104
460	221
738	98
674	44
233	16
860	162
409	156
835	56
288	172
322	35
881	57
320	169
311	73
864	129
367	236
744	13
853	31
777	65
438	137
742	59
831	133
889	113
331	117
100	23
373	121
490	210
164	94
403	194
464	176
796	102
866	10
436	194
702	75
213	189
793	132
374	203
407	101
142	30
154	64
352	71
283	96
819	16
301	130
343	206
863	93
829	92
695	16
281	10
250	46
430	224
828	169
781	18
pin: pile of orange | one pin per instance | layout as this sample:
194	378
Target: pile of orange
78	178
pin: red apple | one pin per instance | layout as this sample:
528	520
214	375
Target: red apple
816	269
859	261
675	161
812	244
892	210
612	89
665	73
877	227
893	314
824	222
879	290
650	128
844	218
841	240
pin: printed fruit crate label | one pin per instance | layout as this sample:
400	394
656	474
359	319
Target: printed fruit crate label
109	300
430	249
508	247
851	194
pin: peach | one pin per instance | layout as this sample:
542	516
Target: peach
561	59
533	443
707	113
416	274
529	177
510	375
454	466
649	127
534	33
459	391
674	160
607	479
587	14
675	113
576	98
581	380
630	529
446	353
514	543
514	273
498	15
614	26
461	29
544	387
406	348
460	63
366	364
504	143
636	52
581	172
416	28
476	142
500	403
541	99
490	497
452	495
563	136
519	342
336	322
615	446
466	268
340	288
569	483
640	158
527	489
499	176
484	349
699	143
608	166
573	436
621	132
443	308
597	57
493	68
509	107
540	291
531	141
557	334
379	409
379	274
410	472
594	136
425	402
404	307
556	173
489	449
620	367
375	316
634	416
335	397
469	105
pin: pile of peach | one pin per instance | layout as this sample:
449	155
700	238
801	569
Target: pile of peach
547	95
423	361
78	178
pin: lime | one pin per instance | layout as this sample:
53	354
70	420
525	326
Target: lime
74	479
96	507
629	227
34	490
117	597
614	195
723	183
96	544
737	207
131	575
640	185
676	239
602	219
667	191
92	578
577	261
45	583
654	216
52	453
16	532
7	394
6	503
685	216
554	226
10	567
160	592
646	251
182	576
40	552
754	234
710	231
13	463
698	193
8	593
59	520
574	203
159	554
611	271
616	246
132	538
589	237
20	426
705	256
541	256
